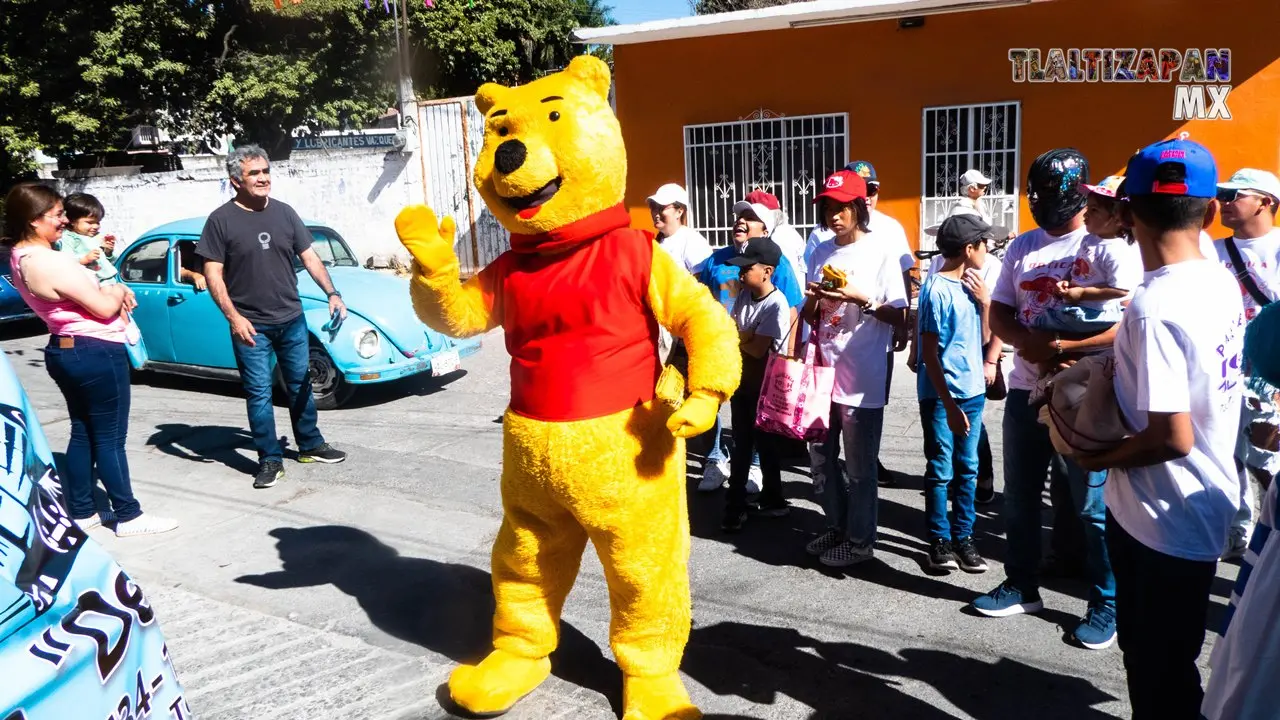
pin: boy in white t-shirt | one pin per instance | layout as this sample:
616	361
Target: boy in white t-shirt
1105	271
1249	201
855	318
1172	488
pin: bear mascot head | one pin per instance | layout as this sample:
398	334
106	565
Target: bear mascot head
593	445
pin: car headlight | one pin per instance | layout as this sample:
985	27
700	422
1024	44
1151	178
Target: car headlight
367	343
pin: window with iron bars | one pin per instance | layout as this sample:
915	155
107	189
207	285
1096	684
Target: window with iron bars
957	138
789	157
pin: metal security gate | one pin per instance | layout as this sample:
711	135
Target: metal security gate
452	135
786	156
959	137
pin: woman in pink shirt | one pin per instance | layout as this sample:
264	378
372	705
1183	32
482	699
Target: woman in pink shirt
86	357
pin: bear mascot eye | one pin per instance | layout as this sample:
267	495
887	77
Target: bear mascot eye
555	115
502	132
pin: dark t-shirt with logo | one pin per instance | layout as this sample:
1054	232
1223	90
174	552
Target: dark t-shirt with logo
257	249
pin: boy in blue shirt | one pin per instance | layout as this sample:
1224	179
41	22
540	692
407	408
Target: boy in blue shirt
723	278
952	387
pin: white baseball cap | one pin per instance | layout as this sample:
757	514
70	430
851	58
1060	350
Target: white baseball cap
762	213
973	177
1256	180
668	194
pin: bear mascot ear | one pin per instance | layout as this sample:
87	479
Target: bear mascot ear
488	95
592	72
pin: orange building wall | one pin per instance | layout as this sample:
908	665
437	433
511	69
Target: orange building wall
884	77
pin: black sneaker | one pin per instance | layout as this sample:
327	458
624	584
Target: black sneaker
941	556
985	493
733	521
326	454
970	560
773	510
269	472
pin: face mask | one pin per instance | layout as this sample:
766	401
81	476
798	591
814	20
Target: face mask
1053	187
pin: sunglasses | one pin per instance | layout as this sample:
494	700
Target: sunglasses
873	190
1230	196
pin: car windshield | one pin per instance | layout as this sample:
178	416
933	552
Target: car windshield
331	248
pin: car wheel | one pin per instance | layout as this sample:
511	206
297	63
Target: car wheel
327	384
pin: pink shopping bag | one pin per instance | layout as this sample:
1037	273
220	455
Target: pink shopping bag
795	400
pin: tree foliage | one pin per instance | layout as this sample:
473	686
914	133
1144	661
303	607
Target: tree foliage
708	7
77	76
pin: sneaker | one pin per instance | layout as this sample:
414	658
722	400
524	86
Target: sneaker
733	521
985	493
714	476
93	521
1237	543
1008	600
777	510
846	554
824	542
755	480
1097	629
268	473
970	560
941	557
326	454
145	525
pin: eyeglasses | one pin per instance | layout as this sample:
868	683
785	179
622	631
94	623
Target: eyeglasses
61	215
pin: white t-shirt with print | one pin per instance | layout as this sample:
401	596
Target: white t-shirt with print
1262	257
884	229
1180	351
856	344
1107	262
1033	265
688	248
769	316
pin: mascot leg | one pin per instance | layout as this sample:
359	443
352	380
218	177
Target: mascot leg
624	479
535	561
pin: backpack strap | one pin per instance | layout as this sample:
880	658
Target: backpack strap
1243	274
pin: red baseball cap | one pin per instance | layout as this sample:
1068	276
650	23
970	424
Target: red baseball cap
763	198
843	186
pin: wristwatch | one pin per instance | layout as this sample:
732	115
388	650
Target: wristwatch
335	293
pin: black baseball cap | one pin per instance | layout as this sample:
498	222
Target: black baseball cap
760	250
960	231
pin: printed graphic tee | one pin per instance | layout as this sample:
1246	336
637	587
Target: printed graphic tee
257	249
769	316
852	342
1181	352
1107	262
1262	259
1032	267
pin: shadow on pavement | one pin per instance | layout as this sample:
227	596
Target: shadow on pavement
444	607
851	681
415	386
206	444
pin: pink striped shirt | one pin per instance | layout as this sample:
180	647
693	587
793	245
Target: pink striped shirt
65	317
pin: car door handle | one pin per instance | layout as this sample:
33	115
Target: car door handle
177	299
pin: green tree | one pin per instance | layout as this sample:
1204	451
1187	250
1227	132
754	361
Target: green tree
708	7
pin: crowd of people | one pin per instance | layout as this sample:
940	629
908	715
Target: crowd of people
1121	274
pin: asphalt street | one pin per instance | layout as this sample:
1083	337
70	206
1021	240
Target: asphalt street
350	591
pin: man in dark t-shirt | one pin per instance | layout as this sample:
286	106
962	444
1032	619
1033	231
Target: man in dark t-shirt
248	246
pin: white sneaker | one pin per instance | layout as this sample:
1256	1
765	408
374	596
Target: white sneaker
145	525
714	476
755	480
93	521
1237	543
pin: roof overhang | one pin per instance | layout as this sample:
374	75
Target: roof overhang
782	17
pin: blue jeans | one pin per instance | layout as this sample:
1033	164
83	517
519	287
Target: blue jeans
94	379
851	499
1027	454
950	457
1076	319
290	344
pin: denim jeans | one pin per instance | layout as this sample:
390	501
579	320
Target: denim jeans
850	499
1077	319
94	379
1161	603
1027	454
289	343
950	458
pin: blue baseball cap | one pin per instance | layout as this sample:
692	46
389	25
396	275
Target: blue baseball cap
864	169
1172	167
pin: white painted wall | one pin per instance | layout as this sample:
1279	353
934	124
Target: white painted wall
357	192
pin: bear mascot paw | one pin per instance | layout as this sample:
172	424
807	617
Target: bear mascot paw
589	450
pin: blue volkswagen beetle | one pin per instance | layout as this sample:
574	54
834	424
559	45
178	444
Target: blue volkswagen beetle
12	306
185	333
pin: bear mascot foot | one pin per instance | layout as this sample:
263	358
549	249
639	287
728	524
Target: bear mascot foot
498	682
657	698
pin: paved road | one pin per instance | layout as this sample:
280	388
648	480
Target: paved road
350	591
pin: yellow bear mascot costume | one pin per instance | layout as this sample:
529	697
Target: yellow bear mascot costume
589	451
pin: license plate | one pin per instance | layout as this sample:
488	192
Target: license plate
445	362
